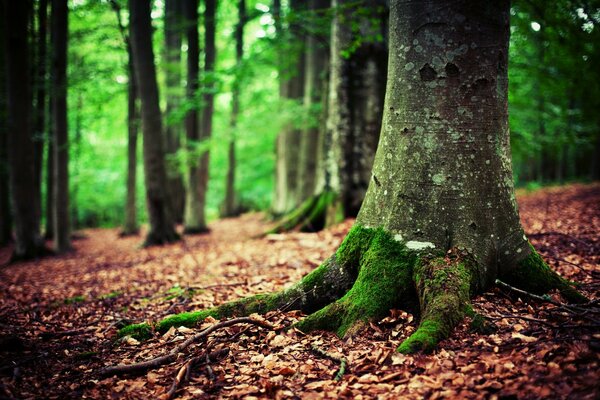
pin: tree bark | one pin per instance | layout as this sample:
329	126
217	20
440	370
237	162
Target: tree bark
197	222
62	224
357	91
28	243
40	102
193	212
230	207
291	88
49	229
161	222
130	226
174	31
5	215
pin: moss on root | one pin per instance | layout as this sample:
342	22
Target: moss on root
384	282
443	285
533	275
141	331
310	216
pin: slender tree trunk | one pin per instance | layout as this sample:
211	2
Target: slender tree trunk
161	222
40	102
198	222
316	61
49	229
291	77
130	226
5	215
62	224
230	207
173	38
20	143
193	213
357	91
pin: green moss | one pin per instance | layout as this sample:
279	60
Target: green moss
534	275
383	282
443	285
111	295
141	331
74	299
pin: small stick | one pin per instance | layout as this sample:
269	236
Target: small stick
342	361
173	354
179	378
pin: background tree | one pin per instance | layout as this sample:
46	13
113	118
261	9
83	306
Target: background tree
5	217
62	224
230	207
197	223
130	226
439	222
28	243
161	222
174	31
193	213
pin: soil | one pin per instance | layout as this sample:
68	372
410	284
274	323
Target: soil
59	317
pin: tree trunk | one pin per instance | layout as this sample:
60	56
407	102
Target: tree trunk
130	226
20	157
230	207
161	222
5	216
62	225
173	37
291	88
40	102
439	222
357	91
49	212
193	213
196	223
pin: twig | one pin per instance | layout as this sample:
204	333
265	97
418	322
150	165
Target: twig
173	354
541	321
179	378
342	361
576	310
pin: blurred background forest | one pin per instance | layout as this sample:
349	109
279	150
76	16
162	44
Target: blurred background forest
554	102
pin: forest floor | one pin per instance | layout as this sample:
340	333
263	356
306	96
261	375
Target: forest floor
59	318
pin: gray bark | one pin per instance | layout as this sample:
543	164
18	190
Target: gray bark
229	205
62	224
28	243
356	94
174	30
161	222
442	174
316	61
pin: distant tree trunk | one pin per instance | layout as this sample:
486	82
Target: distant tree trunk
173	37
357	91
197	222
49	229
347	148
291	76
230	208
40	102
62	225
161	222
192	210
20	143
130	226
5	216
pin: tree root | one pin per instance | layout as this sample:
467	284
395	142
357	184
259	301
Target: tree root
371	273
173	354
340	360
310	216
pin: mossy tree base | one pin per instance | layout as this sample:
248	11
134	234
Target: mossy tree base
370	274
310	216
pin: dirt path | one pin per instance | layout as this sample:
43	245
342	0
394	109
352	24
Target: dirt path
58	318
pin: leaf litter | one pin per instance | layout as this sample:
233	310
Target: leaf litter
59	317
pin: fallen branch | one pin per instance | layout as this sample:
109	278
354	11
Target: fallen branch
579	310
173	354
342	361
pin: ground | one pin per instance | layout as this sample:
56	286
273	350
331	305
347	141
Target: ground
59	318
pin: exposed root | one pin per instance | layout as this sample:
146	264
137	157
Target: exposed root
535	276
310	216
383	282
443	286
157	239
